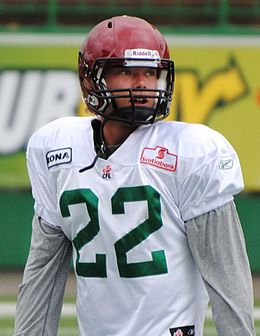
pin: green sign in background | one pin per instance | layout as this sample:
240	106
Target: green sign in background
200	96
13	172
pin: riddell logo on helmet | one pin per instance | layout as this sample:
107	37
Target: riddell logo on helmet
142	53
159	157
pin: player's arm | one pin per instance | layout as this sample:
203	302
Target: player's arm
217	243
41	292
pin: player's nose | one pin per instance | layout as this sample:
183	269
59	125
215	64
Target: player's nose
139	80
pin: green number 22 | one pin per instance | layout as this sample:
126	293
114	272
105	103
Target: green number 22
157	264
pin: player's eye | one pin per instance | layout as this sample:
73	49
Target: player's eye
151	73
125	72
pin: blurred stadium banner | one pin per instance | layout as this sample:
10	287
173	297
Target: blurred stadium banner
217	83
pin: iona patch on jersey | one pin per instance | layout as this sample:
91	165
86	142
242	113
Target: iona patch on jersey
58	156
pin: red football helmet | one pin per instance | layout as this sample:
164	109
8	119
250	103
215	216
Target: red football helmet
129	42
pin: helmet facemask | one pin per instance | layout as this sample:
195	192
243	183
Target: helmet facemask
104	101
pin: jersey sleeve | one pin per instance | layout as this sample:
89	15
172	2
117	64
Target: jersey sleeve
43	192
213	174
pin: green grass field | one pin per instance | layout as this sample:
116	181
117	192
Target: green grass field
68	324
13	171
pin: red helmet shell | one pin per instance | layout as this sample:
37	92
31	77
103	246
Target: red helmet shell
110	38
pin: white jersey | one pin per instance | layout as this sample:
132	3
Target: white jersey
126	218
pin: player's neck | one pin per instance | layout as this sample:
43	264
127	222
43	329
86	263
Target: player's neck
116	132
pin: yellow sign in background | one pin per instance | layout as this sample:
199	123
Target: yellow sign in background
220	86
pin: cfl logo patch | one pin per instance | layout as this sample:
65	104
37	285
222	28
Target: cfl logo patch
106	172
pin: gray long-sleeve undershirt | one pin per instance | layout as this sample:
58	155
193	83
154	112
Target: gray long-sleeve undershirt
216	242
41	292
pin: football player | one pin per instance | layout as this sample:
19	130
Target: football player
146	205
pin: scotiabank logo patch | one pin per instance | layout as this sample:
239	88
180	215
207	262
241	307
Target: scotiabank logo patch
159	157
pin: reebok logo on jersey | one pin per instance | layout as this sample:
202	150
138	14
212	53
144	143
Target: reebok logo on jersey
183	331
159	157
226	164
59	156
